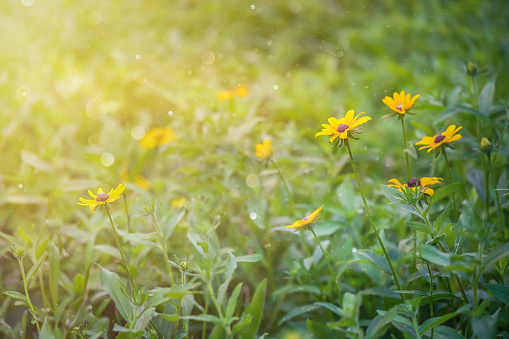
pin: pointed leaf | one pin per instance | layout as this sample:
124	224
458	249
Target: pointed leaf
170	225
232	302
255	309
376	259
486	98
16	295
499	291
442	217
116	289
297	311
444	191
430	323
450	237
36	266
419	226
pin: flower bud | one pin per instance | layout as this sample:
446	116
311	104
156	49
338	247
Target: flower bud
486	146
19	251
472	69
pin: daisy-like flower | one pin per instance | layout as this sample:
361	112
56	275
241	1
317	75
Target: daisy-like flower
400	103
102	198
343	128
158	137
440	139
415	183
307	220
264	150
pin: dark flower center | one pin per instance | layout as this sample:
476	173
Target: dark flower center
439	138
102	197
413	182
342	127
399	107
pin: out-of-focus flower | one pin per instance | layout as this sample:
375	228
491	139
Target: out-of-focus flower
415	183
440	139
472	69
344	127
486	146
264	150
158	137
307	220
178	202
400	103
102	198
241	91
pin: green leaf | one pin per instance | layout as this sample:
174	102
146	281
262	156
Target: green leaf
320	330
169	317
450	237
232	302
218	332
295	312
36	266
255	309
24	236
116	289
442	217
249	258
242	323
376	259
205	317
432	254
34	161
444	332
432	322
336	309
54	274
78	284
392	194
41	249
496	255
442	192
120	329
419	226
486	98
46	331
170	226
457	109
440	296
485	326
379	325
16	295
499	291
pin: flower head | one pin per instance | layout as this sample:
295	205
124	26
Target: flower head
343	128
440	139
158	137
264	150
486	146
307	220
400	103
415	183
241	91
102	198
178	202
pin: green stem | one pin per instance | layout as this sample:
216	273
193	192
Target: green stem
430	293
178	308
476	95
218	308
477	276
450	182
163	245
204	326
371	220
120	248
32	310
458	280
499	207
290	198
328	263
416	327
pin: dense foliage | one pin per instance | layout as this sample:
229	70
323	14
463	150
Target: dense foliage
171	99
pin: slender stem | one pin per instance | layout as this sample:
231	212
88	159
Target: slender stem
178	308
204	326
480	250
163	245
333	276
119	247
458	280
416	326
32	310
476	95
268	251
218	308
450	182
499	207
430	293
290	198
371	220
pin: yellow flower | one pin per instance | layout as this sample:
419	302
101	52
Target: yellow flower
102	198
413	183
486	146
307	220
264	150
241	91
225	95
344	127
142	182
440	139
158	137
400	103
178	202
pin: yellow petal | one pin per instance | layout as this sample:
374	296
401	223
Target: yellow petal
349	117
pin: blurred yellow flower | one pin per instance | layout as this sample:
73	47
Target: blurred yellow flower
102	198
414	183
142	182
307	220
158	137
241	91
440	139
264	150
178	202
486	146
344	127
400	103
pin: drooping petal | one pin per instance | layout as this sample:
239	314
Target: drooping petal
361	121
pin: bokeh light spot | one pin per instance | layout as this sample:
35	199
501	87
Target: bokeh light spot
95	108
252	215
140	76
95	18
208	58
28	3
107	159
137	132
170	113
253	181
20	185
